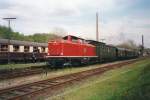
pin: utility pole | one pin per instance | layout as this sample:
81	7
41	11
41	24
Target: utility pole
9	19
142	45
97	32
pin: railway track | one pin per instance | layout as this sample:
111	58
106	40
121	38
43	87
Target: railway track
40	88
14	73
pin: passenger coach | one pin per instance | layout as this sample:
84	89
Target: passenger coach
21	51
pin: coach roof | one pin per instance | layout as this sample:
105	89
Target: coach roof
95	42
24	43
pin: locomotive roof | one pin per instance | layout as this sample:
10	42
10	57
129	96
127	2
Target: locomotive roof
25	43
73	37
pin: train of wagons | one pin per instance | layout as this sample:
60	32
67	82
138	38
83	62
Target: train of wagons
16	51
74	51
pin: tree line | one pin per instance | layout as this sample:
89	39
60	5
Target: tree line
7	33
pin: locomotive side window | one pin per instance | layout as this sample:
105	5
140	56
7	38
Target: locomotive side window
3	47
16	48
76	41
26	48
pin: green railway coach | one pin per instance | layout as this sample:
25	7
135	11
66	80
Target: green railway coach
103	51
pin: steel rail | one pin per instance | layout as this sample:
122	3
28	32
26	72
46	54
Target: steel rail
30	90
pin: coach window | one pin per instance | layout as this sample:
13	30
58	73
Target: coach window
16	48
108	49
35	49
26	48
3	47
101	46
42	49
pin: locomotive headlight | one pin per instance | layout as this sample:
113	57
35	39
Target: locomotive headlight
61	53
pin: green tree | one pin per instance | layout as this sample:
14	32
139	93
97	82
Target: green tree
7	33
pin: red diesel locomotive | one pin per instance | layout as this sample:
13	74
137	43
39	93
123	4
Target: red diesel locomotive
75	51
70	50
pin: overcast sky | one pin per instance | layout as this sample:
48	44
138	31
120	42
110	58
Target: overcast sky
119	20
